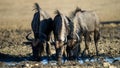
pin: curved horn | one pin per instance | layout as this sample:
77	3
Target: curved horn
28	36
78	38
66	40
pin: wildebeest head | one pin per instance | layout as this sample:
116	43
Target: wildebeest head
41	38
73	40
38	45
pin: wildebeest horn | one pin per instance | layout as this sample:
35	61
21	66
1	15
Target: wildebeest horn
78	38
66	40
28	36
52	41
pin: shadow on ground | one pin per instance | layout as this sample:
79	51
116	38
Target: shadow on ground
11	58
110	22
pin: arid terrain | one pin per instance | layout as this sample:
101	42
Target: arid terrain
15	23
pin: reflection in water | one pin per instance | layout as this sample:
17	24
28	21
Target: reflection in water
44	62
10	63
81	61
109	59
117	58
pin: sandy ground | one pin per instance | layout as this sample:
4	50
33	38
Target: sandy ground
14	14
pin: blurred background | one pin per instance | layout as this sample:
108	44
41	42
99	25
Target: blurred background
18	14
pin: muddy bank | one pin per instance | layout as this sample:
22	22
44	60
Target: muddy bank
100	63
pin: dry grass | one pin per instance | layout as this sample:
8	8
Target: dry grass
18	14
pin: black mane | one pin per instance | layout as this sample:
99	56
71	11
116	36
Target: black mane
73	13
78	10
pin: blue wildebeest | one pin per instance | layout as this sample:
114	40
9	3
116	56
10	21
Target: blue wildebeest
42	28
61	30
84	24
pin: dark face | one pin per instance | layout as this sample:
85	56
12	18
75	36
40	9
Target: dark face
38	47
73	39
73	49
35	49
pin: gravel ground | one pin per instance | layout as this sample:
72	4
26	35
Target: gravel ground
15	54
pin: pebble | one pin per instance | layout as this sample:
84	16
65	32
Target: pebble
106	64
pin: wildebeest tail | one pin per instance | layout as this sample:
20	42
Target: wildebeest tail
57	12
37	7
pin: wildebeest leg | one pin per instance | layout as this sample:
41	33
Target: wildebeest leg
65	52
48	50
68	52
59	55
96	39
80	44
79	50
59	51
87	41
43	49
